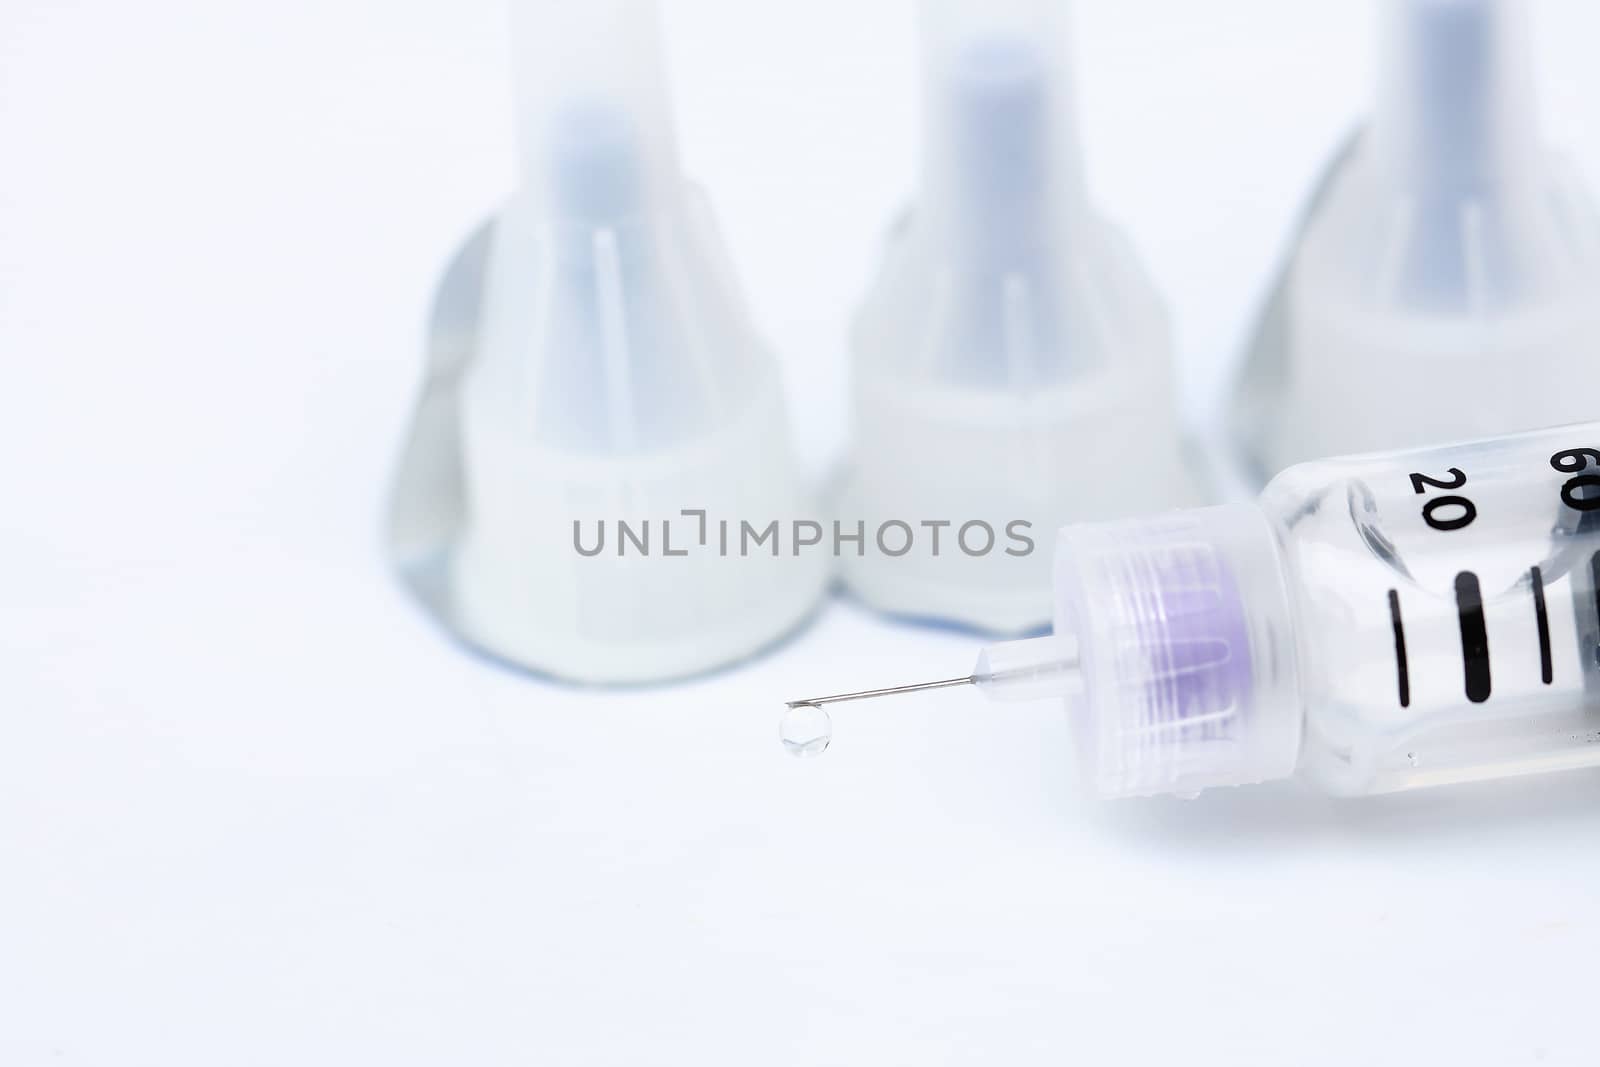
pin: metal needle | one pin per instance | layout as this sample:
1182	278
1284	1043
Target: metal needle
865	694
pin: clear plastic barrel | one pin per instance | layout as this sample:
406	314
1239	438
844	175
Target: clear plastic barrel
1446	614
1376	623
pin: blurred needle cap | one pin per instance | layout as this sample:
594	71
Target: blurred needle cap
594	376
1011	362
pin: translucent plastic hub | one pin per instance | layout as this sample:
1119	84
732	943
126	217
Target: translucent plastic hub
1183	641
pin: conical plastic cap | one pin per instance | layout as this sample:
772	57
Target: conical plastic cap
614	384
1012	362
1441	284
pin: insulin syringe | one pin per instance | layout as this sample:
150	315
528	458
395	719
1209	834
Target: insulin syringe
1371	624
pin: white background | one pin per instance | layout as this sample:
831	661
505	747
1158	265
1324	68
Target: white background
255	809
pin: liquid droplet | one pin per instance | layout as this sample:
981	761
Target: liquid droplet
806	730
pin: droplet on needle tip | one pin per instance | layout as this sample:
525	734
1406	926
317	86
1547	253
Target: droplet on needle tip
806	730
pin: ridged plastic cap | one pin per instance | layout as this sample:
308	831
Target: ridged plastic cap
1185	650
1444	273
612	382
1012	357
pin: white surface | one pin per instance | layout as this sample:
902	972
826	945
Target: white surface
254	810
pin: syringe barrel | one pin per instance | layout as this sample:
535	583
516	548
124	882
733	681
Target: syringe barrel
1445	609
1375	623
